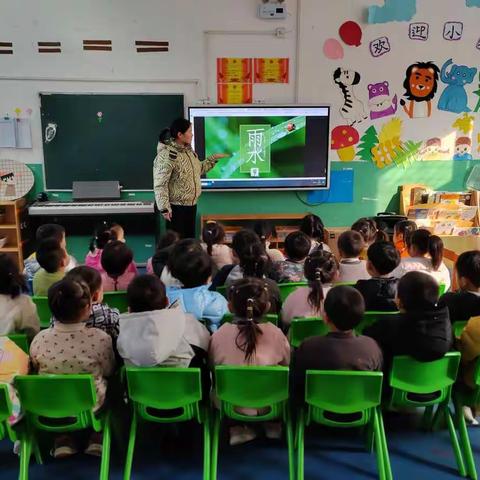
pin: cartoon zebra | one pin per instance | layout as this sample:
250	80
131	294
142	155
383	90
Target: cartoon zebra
353	109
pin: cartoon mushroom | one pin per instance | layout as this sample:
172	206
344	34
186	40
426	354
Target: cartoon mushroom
344	137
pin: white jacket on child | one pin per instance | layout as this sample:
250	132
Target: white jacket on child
160	337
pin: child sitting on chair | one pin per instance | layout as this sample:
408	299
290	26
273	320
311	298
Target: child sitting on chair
465	302
380	291
321	270
153	334
193	269
351	268
53	259
18	314
297	247
340	349
246	341
116	260
70	347
213	236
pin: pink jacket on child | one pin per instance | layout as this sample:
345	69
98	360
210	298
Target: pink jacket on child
94	260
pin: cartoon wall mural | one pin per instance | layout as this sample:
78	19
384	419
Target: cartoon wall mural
454	97
353	110
463	149
421	83
380	102
433	149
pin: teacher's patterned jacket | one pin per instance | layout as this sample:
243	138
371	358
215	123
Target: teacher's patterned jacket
176	175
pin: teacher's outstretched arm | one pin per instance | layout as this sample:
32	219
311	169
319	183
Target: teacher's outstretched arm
211	161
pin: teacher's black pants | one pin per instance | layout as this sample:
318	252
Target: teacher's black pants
183	221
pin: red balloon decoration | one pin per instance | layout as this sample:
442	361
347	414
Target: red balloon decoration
351	33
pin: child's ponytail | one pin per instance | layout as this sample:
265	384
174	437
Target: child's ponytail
320	268
212	233
435	250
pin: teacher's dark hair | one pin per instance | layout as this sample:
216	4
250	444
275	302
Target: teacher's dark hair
180	125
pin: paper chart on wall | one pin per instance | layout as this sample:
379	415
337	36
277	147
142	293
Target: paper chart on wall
23	133
7	133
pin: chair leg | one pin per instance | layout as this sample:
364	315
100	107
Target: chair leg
454	439
25	451
386	456
105	462
465	441
37	452
131	447
369	443
206	446
291	449
378	446
427	423
300	445
215	440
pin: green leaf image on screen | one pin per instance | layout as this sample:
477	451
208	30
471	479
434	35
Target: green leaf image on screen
286	140
255	149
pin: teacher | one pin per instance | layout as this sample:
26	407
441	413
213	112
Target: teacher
176	177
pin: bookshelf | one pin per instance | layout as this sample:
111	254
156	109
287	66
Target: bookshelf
13	223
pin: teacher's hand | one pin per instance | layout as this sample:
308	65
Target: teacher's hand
218	156
167	216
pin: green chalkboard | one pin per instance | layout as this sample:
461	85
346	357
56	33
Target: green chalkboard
119	145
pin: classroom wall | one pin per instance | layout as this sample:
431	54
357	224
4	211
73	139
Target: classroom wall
189	68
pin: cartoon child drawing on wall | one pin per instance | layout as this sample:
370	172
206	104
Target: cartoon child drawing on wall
463	149
8	185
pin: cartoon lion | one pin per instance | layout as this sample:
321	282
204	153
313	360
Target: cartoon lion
420	85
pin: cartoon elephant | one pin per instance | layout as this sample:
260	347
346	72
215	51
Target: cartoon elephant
454	97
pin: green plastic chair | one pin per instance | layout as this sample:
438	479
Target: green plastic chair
5	413
59	403
43	310
21	340
287	288
306	327
441	289
461	397
252	387
116	300
344	399
269	317
347	284
427	384
155	391
458	328
223	290
371	317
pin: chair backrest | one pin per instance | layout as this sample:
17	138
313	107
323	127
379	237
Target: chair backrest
268	317
223	290
371	317
287	288
5	409
305	327
252	387
342	393
458	328
70	397
165	389
423	383
21	340
43	310
441	289
116	300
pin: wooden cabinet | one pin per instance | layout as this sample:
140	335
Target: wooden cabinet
13	217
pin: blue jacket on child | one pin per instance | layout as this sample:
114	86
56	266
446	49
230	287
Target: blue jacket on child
200	302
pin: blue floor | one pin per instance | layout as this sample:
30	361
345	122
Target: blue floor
415	455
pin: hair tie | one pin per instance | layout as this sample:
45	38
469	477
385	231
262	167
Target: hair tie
250	303
318	274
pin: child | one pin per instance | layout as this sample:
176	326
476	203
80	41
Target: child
350	246
53	261
266	231
49	230
312	226
165	246
422	329
186	245
71	347
194	269
297	247
321	270
401	231
368	229
465	303
213	236
13	362
246	341
380	291
340	349
151	334
118	231
253	261
116	260
426	255
101	315
18	314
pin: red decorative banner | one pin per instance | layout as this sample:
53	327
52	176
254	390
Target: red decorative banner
234	70
234	93
271	70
